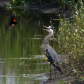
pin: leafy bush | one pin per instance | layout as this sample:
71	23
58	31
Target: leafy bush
16	2
21	2
71	39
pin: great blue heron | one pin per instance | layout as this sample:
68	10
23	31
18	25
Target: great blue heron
51	55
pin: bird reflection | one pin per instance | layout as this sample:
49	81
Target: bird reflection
12	21
50	53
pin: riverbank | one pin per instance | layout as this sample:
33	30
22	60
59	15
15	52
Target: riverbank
62	79
3	3
46	9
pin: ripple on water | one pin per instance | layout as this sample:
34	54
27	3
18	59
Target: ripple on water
36	76
32	57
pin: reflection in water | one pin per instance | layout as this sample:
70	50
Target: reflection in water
22	61
12	21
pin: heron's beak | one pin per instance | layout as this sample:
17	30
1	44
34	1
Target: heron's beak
45	29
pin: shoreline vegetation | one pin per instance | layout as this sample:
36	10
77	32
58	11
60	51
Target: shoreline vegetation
70	37
47	8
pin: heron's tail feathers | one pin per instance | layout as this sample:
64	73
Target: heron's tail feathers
57	67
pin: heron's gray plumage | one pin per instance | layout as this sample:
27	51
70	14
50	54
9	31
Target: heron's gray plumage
46	45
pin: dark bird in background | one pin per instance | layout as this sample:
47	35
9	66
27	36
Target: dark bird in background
51	55
12	21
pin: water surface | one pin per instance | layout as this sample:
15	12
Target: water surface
21	58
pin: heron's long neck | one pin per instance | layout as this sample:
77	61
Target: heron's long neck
46	39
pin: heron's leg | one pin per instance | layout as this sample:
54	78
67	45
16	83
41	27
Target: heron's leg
55	71
50	71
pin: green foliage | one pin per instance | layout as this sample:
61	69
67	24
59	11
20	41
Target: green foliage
65	4
21	3
16	2
69	4
62	82
62	2
71	39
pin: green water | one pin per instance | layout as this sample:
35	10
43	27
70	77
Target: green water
21	58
